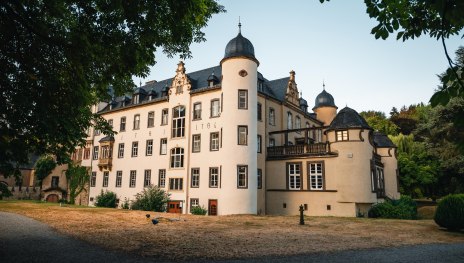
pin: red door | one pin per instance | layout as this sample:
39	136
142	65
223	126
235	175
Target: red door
212	205
174	207
53	198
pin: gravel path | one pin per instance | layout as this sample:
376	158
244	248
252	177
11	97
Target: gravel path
26	240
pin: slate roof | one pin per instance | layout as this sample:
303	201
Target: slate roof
348	118
239	46
324	99
382	141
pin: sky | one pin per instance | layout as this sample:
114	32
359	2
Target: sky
328	43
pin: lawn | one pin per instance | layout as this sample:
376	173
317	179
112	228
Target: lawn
226	237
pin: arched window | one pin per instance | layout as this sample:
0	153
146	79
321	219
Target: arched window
177	157
289	121
297	122
178	122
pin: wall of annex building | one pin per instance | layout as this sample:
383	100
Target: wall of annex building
390	171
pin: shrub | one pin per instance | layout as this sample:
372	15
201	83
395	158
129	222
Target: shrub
125	204
404	208
152	198
198	210
106	199
450	212
4	192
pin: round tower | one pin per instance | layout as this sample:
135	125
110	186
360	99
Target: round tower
325	107
239	134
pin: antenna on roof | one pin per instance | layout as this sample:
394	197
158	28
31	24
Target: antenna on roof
239	26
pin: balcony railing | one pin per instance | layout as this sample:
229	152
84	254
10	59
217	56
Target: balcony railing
277	152
105	163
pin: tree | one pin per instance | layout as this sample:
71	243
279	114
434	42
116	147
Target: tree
379	122
77	177
59	58
44	167
439	19
152	198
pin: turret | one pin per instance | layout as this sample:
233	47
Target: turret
325	107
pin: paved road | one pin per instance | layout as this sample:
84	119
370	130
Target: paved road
25	240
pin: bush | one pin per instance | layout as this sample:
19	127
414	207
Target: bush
450	212
404	208
152	198
197	210
106	199
125	204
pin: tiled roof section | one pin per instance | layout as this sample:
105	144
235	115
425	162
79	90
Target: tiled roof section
198	79
382	141
348	118
278	87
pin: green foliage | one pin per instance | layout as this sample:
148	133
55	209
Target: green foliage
4	192
106	199
125	204
379	122
77	177
452	81
43	167
450	212
152	198
198	210
404	208
58	58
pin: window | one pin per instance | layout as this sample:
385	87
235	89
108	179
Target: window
378	181
105	152
213	177
122	124
136	121
136	99
133	177
121	150
149	150
162	178
242	176
106	176
297	122
195	177
259	143
197	111
151	119
242	135
177	157
175	183
55	181
260	179
86	153
93	179
316	176
110	122
294	176
259	112
178	89
178	122
242	99
214	141
194	202
163	146
164	117
95	152
96	132
135	149
215	108
118	178
271	116
147	178
342	136
289	121
271	142
196	143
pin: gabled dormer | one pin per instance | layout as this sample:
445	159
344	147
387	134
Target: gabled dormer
292	95
152	94
138	95
112	104
212	80
125	101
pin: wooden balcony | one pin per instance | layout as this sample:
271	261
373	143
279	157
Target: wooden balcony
301	150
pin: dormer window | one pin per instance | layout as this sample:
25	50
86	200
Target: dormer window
212	80
136	99
260	85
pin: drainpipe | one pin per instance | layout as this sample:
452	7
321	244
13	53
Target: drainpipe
189	134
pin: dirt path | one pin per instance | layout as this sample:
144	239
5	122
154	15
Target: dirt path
26	240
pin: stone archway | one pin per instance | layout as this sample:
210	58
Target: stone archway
52	198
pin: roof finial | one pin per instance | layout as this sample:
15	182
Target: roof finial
239	26
323	84
140	83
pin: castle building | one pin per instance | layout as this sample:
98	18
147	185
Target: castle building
230	140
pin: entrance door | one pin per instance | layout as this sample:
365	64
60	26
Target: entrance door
174	207
53	198
212	204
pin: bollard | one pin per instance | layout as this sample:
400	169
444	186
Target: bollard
301	215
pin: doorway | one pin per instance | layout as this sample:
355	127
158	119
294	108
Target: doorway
212	205
174	207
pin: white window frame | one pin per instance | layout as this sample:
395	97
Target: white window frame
151	119
149	148
136	121
271	116
196	143
215	108
135	149
316	176
147	178
214	141
178	122
195	182
122	124
242	99
289	121
163	146
197	111
294	176
118	179
242	135
176	184
106	177
342	135
164	116
213	177
177	157
242	176
133	178
121	150
162	178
